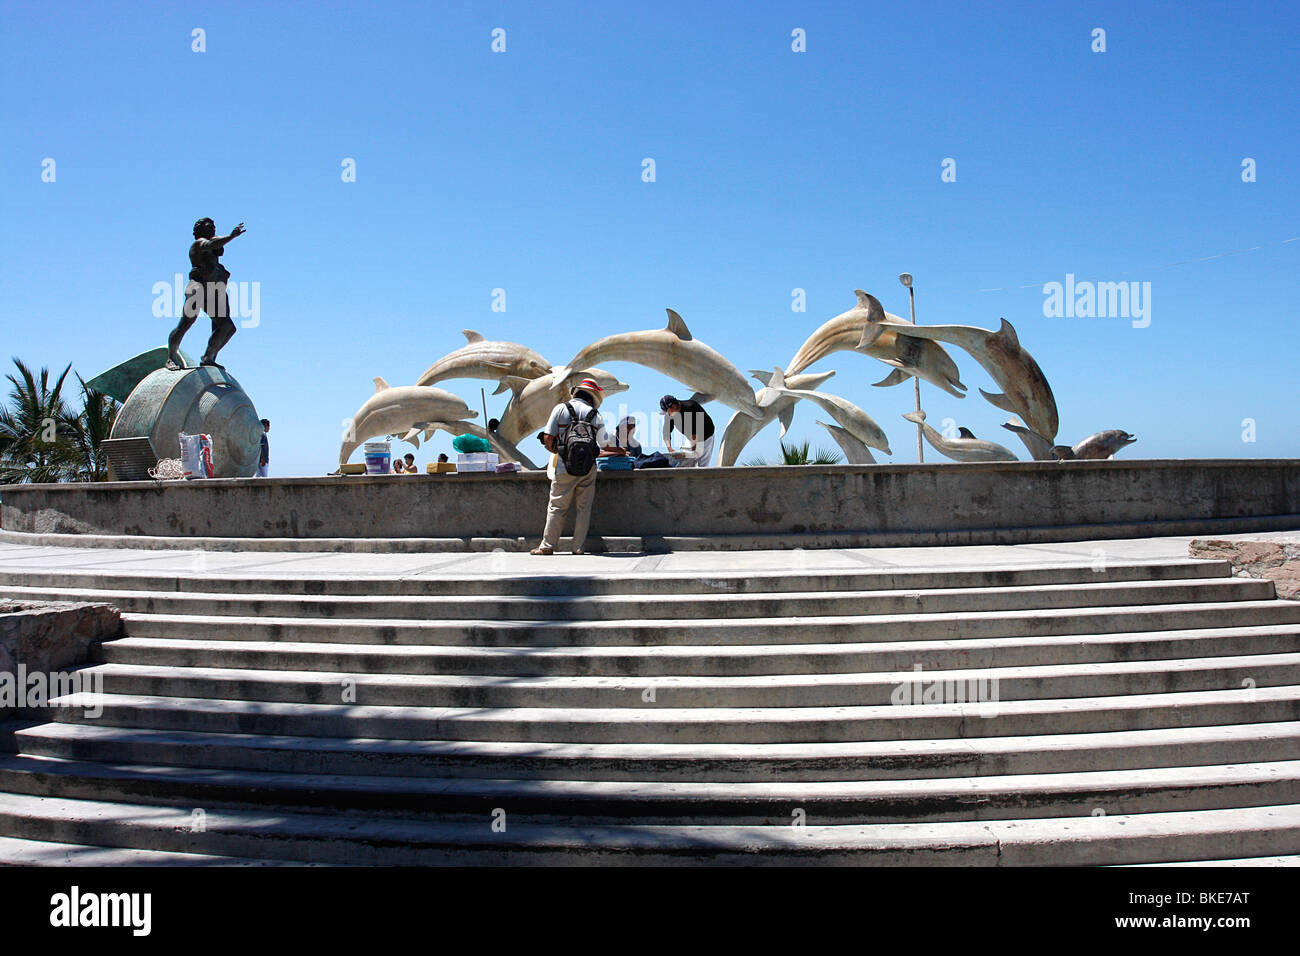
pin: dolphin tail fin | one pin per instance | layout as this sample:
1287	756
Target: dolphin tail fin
702	397
412	435
999	400
870	332
764	377
677	326
896	377
917	417
778	378
786	418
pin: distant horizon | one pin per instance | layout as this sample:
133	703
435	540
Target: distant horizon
1126	200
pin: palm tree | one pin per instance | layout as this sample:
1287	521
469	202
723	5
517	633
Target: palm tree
36	434
89	429
801	455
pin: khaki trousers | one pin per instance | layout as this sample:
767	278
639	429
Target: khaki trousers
567	490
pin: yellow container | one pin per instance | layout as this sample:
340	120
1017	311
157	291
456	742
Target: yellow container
441	468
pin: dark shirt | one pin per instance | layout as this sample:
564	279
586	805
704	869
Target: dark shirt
205	262
692	421
266	450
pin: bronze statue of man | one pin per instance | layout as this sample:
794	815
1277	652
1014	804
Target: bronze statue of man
205	292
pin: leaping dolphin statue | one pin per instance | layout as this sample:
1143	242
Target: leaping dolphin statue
390	411
928	362
505	449
1039	448
775	406
855	453
858	423
534	398
673	351
965	448
480	358
1025	391
1101	445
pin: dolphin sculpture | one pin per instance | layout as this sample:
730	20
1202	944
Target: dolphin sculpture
480	358
741	429
855	453
965	448
534	398
390	411
505	449
1101	445
674	352
929	362
1039	448
861	425
1025	391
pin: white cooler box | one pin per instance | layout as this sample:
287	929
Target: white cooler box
477	461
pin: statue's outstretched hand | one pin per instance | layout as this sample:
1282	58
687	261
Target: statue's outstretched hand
238	230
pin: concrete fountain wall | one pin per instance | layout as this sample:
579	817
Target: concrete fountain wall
808	506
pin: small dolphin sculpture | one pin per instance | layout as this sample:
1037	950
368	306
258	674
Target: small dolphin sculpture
1039	448
483	359
855	453
964	448
861	425
674	352
1025	391
390	411
505	449
534	398
741	429
1101	445
928	362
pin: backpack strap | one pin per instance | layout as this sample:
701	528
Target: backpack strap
590	415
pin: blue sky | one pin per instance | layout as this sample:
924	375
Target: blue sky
775	170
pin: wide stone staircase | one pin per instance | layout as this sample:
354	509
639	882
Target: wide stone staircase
1143	713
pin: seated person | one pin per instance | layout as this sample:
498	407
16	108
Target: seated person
442	458
408	466
623	437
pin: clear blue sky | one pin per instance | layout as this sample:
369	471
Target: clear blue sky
775	170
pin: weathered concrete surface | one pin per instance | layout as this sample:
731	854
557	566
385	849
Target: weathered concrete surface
975	502
1275	560
46	637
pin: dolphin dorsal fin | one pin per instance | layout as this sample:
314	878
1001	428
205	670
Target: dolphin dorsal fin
1008	334
380	384
512	382
965	432
778	378
677	326
471	336
764	377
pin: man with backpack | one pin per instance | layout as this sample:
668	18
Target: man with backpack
576	435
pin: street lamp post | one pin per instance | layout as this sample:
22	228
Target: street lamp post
906	279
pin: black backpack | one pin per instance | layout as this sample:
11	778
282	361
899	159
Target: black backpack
578	448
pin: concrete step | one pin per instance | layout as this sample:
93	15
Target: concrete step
611	582
19	852
884	760
734	660
358	838
1040	682
658	724
655	802
722	631
668	606
1250	861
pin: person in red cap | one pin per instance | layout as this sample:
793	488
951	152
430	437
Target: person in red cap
576	437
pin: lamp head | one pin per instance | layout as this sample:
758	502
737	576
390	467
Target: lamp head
906	279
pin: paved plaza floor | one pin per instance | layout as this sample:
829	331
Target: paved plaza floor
259	564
